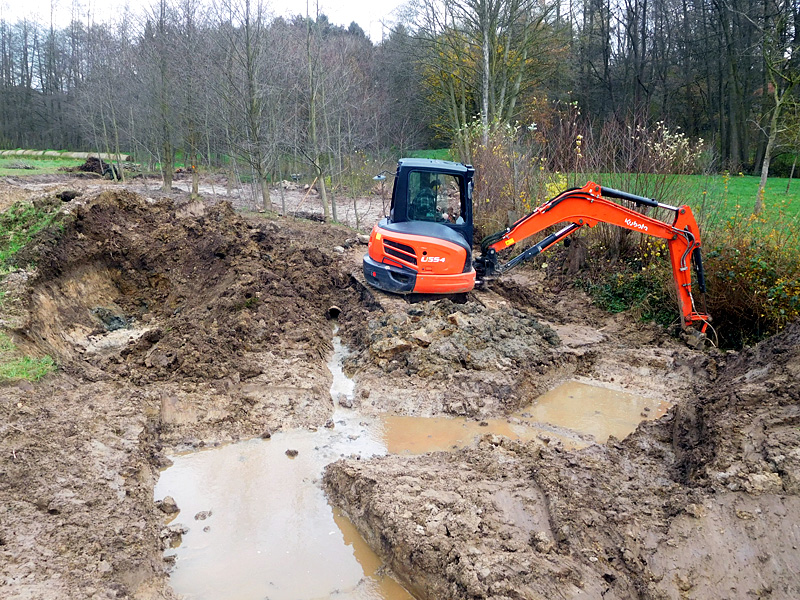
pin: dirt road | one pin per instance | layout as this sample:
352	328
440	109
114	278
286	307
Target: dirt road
180	324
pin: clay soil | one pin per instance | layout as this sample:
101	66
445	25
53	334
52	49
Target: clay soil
180	324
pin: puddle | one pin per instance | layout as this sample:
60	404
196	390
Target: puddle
271	532
592	410
574	413
417	435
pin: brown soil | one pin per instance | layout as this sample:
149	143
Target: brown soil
700	504
179	324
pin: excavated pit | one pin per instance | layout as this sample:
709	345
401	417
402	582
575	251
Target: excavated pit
183	325
702	503
249	535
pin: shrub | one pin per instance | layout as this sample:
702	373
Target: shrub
644	293
753	268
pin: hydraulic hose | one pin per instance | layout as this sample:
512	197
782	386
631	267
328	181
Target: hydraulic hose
697	258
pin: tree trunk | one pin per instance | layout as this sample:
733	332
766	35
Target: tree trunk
485	79
773	136
266	201
791	173
312	121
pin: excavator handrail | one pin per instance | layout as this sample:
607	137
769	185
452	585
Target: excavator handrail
588	206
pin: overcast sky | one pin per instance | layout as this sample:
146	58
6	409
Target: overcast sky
371	15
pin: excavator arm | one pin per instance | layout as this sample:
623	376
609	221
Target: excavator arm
590	205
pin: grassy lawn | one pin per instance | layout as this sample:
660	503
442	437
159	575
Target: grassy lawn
715	199
722	198
442	154
20	166
14	366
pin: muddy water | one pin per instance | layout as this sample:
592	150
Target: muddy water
260	526
577	414
271	533
591	410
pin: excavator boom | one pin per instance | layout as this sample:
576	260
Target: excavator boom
590	205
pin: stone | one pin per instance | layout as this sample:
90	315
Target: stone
168	505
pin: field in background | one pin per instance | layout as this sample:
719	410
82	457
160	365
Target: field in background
714	198
20	166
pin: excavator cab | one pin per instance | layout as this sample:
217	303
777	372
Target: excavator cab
433	191
425	244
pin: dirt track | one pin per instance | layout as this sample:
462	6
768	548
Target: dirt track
181	324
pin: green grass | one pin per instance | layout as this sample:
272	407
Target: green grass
18	225
9	165
713	198
15	367
441	154
720	198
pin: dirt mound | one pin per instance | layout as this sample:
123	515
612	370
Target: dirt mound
743	433
472	358
173	323
95	165
696	505
196	284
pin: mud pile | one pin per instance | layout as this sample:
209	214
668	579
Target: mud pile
189	295
470	358
180	324
701	504
174	324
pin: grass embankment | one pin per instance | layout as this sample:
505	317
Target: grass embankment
752	262
18	226
14	366
17	166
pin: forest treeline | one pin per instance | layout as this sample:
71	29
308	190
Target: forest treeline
205	81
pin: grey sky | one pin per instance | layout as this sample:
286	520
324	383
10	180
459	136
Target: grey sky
369	14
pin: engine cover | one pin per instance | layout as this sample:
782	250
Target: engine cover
418	257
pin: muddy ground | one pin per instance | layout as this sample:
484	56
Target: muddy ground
179	324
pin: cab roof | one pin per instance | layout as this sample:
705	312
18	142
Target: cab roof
446	166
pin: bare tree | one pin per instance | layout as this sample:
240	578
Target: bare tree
783	75
246	92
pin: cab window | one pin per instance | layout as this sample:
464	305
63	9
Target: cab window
433	197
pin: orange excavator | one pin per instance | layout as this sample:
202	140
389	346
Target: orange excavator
424	246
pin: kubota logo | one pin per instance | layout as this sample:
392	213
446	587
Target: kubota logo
433	259
630	223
